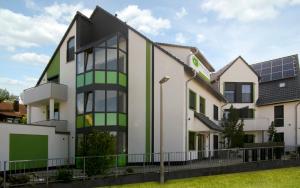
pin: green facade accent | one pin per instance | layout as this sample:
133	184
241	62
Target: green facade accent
79	121
148	98
99	77
88	78
122	79
122	158
28	147
203	77
53	69
122	119
99	119
111	77
80	80
111	119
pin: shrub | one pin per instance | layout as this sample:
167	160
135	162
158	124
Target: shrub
64	175
19	179
129	170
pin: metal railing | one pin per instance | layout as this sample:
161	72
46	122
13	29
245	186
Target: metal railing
21	172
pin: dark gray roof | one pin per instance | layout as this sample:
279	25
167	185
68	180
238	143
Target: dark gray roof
209	123
271	93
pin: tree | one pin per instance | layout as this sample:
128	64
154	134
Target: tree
4	95
98	147
234	129
272	132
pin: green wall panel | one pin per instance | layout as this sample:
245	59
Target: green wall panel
122	79
28	147
53	69
111	119
79	121
122	119
88	120
99	119
80	80
88	78
100	77
111	77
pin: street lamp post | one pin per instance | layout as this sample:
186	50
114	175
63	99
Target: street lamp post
162	170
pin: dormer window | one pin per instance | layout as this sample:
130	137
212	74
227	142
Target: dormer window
71	49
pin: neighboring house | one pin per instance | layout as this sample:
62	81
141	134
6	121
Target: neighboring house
264	93
12	112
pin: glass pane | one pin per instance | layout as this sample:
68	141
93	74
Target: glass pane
80	63
111	59
229	95
80	98
122	61
100	100
88	120
122	142
122	102
89	102
122	43
111	101
89	61
100	58
112	42
246	88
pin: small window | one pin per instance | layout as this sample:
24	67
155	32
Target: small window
192	100
202	105
80	103
229	92
71	49
192	141
279	116
111	101
216	113
89	102
80	63
100	100
246	93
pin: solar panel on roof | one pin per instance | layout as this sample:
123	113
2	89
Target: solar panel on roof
276	69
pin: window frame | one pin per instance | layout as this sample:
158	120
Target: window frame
216	112
279	118
194	106
67	54
238	91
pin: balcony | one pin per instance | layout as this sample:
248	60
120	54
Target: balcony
60	125
42	93
257	124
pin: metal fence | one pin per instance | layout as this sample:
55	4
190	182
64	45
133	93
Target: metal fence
16	173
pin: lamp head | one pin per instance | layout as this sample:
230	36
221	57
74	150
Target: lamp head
164	79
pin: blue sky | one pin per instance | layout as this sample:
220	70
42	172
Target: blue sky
258	30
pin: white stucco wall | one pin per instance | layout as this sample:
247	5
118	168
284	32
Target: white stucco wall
57	143
67	77
136	93
38	113
174	108
181	53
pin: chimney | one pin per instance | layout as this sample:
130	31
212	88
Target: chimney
16	106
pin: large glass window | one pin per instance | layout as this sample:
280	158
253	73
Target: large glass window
247	93
229	92
279	116
100	100
111	101
89	61
89	102
111	59
71	49
192	100
122	43
112	42
122	61
80	63
80	103
100	58
122	102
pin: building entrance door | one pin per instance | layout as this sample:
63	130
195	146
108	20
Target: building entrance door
201	146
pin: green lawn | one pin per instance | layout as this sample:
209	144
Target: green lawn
286	177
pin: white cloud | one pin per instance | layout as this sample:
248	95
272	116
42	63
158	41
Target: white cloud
21	31
181	13
200	38
180	38
247	10
142	20
31	58
17	86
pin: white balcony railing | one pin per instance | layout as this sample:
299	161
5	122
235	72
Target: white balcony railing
60	125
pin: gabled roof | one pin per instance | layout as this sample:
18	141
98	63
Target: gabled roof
209	123
215	76
7	109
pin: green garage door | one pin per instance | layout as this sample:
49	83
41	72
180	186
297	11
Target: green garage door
28	147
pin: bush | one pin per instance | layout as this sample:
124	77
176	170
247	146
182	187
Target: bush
129	170
19	179
1	181
64	175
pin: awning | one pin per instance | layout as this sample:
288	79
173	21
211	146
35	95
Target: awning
209	123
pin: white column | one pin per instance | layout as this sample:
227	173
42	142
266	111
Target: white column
51	109
28	114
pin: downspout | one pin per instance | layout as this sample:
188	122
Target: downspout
186	111
296	123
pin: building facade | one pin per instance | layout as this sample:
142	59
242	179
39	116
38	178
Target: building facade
104	75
